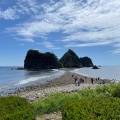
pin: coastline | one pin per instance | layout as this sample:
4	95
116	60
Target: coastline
65	83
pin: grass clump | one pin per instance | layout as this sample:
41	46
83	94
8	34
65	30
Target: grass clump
99	108
116	91
16	108
55	101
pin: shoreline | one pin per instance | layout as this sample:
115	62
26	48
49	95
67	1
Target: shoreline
65	83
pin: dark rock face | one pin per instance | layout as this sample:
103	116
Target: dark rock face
95	67
86	62
36	60
19	68
70	60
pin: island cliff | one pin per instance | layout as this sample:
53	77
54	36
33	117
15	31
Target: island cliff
36	60
86	62
70	60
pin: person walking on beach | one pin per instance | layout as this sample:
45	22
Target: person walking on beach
92	80
75	80
79	82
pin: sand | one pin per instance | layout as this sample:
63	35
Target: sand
66	83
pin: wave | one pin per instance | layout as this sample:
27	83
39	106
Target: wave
31	80
44	78
55	70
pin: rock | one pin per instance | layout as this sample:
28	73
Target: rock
95	67
19	68
70	60
86	62
36	60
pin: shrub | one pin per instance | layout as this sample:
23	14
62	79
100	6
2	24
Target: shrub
16	108
99	91
99	108
116	91
53	102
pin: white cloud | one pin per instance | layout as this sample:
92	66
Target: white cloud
89	44
34	29
25	39
117	44
27	7
18	9
117	51
94	22
8	14
48	45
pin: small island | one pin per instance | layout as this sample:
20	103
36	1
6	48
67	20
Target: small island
36	60
95	67
19	68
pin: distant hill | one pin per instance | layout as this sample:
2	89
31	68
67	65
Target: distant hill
36	60
70	60
86	62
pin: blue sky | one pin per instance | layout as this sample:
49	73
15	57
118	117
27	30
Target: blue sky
88	27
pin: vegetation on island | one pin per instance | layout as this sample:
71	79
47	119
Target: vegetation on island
70	60
36	60
86	62
102	103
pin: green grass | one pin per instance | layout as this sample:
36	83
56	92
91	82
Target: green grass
116	91
16	108
98	108
54	101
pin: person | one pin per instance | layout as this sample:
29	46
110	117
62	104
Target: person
72	75
79	82
82	80
92	80
103	82
75	80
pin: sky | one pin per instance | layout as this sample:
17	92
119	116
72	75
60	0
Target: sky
88	27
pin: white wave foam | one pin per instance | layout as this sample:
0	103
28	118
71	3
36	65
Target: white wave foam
31	80
55	70
56	74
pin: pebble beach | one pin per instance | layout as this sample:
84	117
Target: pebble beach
66	83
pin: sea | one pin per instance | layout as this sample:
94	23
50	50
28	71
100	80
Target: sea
12	79
104	72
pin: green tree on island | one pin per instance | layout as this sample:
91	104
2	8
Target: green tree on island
86	62
36	60
70	60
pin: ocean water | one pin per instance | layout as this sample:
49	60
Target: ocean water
105	72
11	79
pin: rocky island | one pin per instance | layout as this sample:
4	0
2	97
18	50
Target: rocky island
36	60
